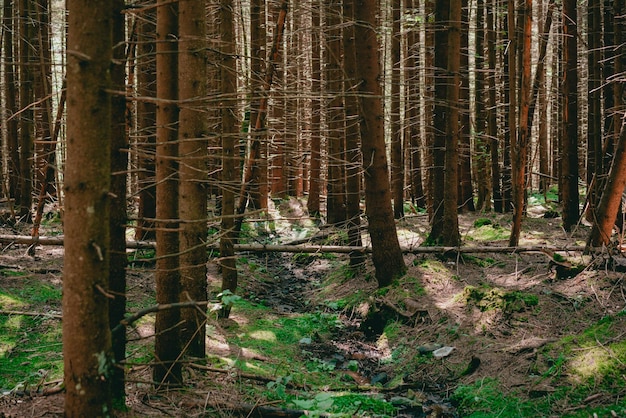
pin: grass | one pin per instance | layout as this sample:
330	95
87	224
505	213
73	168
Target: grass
30	346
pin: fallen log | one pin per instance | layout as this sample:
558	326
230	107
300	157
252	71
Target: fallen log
414	249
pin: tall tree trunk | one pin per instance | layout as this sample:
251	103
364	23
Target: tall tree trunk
230	172
466	190
481	140
438	147
251	173
313	201
23	197
519	144
430	101
511	100
397	150
86	332
335	138
10	92
146	122
492	121
412	108
167	370
386	253
569	149
118	217
594	98
542	104
353	155
192	152
450	234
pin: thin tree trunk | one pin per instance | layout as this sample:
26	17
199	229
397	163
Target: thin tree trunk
450	234
520	143
86	333
118	217
386	255
492	121
442	13
167	370
251	168
23	197
466	190
353	154
335	138
412	109
313	201
146	121
10	100
397	150
481	140
230	172
569	148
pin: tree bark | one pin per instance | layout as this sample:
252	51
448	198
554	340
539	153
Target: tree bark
397	149
354	161
519	142
230	172
386	254
86	333
611	196
118	217
335	116
569	149
146	122
313	201
167	370
192	152
450	233
442	18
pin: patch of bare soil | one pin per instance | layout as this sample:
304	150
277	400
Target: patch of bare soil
443	301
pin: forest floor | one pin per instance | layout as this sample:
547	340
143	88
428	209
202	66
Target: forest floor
478	334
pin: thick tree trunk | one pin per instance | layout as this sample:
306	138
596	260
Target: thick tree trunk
192	152
167	370
386	254
86	332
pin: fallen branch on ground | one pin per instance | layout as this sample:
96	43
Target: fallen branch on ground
49	315
27	240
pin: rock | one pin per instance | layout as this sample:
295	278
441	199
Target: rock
443	352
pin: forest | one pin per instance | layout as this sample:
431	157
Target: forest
399	208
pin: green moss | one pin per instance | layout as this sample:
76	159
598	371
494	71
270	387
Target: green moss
487	299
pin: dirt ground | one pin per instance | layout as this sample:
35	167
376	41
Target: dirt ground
487	343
